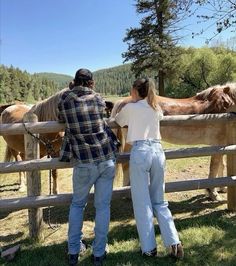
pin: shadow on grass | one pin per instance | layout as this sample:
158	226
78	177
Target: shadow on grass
200	253
121	209
203	253
11	237
195	204
216	252
56	255
9	187
56	215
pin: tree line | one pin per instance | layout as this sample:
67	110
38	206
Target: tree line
197	69
154	43
153	49
18	85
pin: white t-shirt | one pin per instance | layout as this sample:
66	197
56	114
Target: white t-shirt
142	120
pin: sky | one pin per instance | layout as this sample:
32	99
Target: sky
61	36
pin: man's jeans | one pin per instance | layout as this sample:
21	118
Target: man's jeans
147	166
101	175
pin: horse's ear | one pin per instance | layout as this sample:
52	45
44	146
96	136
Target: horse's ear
226	89
210	95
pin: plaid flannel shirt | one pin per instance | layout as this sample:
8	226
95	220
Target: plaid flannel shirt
86	139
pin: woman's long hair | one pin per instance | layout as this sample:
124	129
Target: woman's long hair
146	89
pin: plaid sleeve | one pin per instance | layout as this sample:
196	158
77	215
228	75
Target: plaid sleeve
60	116
65	151
100	100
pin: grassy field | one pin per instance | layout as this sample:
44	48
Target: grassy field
207	229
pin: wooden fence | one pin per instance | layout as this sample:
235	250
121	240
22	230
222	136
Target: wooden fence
33	165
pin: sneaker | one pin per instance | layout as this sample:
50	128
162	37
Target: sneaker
73	259
98	261
177	251
151	253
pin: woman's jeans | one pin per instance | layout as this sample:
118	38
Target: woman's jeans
147	165
101	175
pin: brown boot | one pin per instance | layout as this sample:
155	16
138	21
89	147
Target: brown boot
177	251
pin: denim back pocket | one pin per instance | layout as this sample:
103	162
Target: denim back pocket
81	176
140	157
107	167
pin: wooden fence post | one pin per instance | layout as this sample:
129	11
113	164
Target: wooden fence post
231	166
33	180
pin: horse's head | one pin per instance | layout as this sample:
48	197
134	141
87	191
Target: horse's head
108	108
220	99
230	90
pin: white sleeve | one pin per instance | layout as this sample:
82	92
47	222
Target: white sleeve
161	115
122	118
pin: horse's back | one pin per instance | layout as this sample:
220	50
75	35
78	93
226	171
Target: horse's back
4	106
14	113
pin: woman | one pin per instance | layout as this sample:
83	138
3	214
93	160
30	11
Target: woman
147	163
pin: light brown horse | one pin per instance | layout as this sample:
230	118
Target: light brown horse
9	153
216	99
45	110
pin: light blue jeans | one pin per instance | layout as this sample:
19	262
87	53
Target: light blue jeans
147	166
101	175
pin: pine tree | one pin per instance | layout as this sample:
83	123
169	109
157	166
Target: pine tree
153	46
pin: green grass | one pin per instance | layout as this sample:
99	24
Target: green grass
112	98
206	228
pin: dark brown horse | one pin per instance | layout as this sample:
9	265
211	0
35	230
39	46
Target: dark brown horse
109	107
216	99
4	106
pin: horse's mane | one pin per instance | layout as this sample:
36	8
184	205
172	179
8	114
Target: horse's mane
203	95
46	110
114	110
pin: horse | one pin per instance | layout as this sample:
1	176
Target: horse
4	106
11	153
215	99
45	110
108	109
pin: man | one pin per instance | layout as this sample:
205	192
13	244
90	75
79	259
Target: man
87	141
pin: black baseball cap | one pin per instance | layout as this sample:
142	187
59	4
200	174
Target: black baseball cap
83	74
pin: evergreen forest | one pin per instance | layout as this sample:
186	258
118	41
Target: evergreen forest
17	85
197	69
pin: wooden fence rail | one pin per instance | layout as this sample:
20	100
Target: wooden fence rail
54	126
65	199
34	165
54	163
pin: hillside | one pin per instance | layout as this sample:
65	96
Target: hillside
60	79
109	81
114	81
199	69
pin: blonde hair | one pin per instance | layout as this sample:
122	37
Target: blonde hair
146	89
